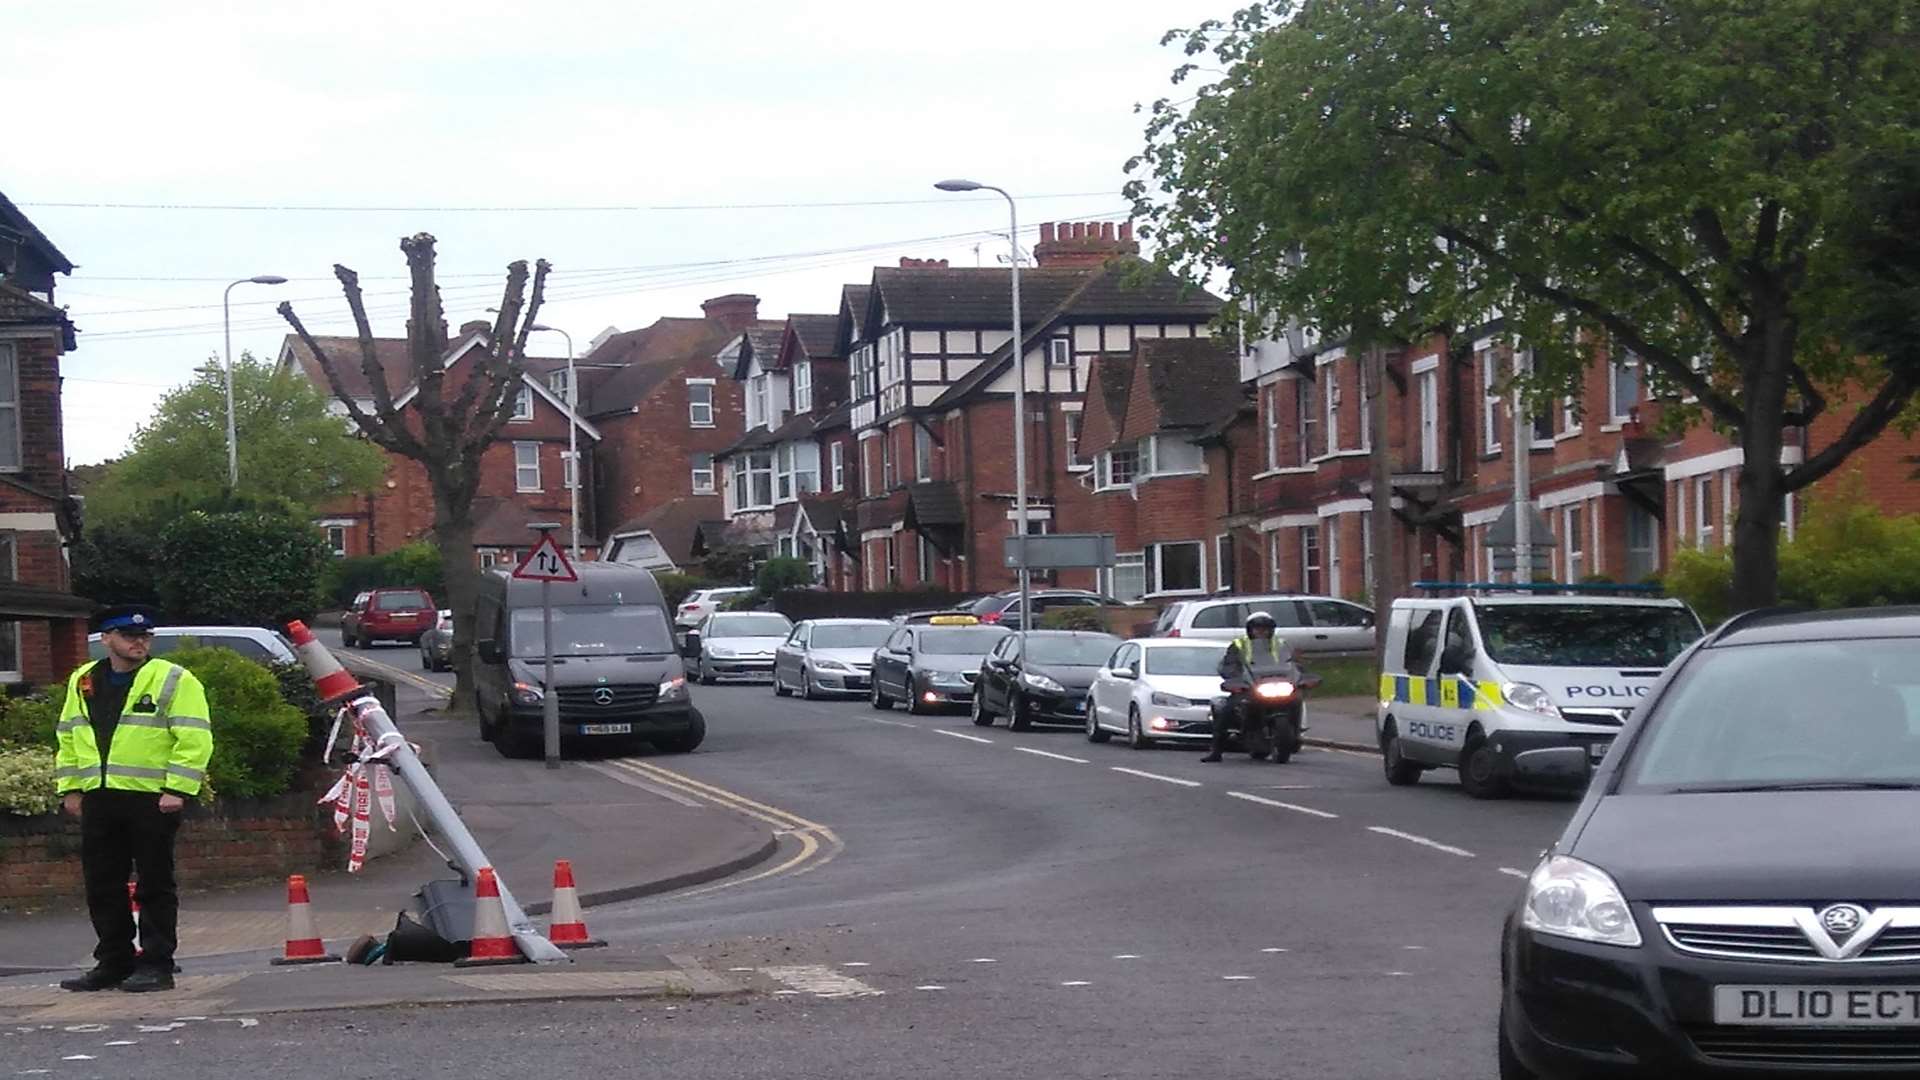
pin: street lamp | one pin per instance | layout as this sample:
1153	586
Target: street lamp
573	434
1019	390
226	321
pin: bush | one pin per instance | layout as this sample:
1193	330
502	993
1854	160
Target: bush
781	573
728	565
1704	579
118	564
27	782
1074	618
248	568
28	721
257	735
677	587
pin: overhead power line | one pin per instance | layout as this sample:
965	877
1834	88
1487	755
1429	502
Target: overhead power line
628	208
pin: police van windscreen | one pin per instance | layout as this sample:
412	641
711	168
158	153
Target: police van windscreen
600	630
1586	635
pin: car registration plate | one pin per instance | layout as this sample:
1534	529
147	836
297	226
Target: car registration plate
1598	750
1817	1006
606	729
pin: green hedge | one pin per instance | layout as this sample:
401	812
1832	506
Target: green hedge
1074	618
416	565
247	568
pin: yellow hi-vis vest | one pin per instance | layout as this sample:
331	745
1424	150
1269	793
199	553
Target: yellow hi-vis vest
1276	648
162	742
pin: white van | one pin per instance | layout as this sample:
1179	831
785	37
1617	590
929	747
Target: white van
1470	681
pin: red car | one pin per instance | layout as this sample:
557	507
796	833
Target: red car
391	614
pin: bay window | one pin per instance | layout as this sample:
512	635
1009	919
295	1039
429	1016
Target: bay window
755	489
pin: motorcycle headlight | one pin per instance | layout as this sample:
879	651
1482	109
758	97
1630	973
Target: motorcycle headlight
830	665
673	689
1529	697
1041	682
1277	690
1573	899
527	694
1169	701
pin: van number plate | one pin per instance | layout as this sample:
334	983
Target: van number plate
606	729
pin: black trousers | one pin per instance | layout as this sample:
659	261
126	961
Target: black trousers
122	833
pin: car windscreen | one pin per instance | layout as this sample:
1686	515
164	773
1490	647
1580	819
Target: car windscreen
1805	714
1586	635
597	630
1091	651
1185	661
963	641
850	637
401	601
724	626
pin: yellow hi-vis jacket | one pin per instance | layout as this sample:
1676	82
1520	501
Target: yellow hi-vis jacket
162	742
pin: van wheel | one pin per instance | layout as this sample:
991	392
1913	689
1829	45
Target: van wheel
1480	769
1400	771
687	741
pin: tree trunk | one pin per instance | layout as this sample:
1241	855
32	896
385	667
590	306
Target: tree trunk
1756	528
453	535
1386	564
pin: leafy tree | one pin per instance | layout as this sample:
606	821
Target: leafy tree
447	423
728	565
291	449
782	572
243	568
1701	182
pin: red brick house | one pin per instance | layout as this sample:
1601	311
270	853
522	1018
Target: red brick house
43	628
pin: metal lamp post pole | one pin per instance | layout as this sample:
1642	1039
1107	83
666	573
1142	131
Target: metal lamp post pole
226	322
549	697
573	438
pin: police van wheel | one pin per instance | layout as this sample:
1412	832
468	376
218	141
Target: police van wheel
1400	771
1480	770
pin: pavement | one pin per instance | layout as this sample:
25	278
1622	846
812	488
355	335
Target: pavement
1342	723
622	822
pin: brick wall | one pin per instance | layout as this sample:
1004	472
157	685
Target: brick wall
40	856
646	459
43	462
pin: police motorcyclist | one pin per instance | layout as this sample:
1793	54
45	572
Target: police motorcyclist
1258	652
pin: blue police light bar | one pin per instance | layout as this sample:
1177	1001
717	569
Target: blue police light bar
1543	588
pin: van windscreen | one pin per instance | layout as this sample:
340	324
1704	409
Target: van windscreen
600	630
1586	635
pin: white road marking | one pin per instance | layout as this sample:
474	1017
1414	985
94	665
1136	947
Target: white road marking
1272	949
1155	776
243	1021
1422	841
158	1027
1076	982
85	1029
930	986
1050	754
856	963
122	1042
786	993
1413	946
962	735
1236	978
1511	872
985	960
820	981
189	1019
1283	805
78	1057
1396	973
892	723
1128	956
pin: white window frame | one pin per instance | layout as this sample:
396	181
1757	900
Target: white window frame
1573	525
922	453
568	473
757	415
1330	552
1310	567
701	487
1107	471
752	464
696	407
1270	421
1330	404
803	387
1156	583
337	540
1273	560
1060	352
1619	412
1073	422
521	467
1223	553
783	473
1427	386
558	383
1134	566
1490	402
837	457
1306	416
923	552
1704	516
1151	464
522	405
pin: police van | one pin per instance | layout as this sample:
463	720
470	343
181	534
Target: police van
1471	680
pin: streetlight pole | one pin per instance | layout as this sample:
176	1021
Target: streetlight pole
573	435
1019	394
226	322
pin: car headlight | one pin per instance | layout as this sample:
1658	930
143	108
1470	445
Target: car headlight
1573	899
674	689
1169	701
527	694
1041	682
947	678
720	651
1529	697
830	665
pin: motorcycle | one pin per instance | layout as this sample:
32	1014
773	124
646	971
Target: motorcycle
1267	713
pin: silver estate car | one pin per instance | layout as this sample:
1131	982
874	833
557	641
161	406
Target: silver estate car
828	656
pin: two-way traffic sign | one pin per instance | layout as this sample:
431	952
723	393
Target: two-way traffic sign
546	562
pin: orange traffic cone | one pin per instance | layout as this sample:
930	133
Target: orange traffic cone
568	928
303	941
492	942
331	681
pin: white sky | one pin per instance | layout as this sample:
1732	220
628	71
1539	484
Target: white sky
567	104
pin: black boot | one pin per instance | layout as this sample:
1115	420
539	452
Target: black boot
1215	756
100	978
147	980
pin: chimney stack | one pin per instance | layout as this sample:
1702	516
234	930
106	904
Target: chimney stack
475	326
1083	243
733	311
909	263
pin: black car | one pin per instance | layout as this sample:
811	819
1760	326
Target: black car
931	666
1737	894
1047	684
1003	608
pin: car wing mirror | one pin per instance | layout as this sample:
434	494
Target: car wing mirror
489	651
1555	768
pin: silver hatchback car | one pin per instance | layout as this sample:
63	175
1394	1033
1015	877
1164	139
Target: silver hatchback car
828	656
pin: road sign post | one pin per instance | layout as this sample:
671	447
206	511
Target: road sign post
546	563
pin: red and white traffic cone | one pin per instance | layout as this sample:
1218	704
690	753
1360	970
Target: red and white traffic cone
303	941
332	681
492	942
568	927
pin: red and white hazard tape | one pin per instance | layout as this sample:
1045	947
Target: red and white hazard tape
364	778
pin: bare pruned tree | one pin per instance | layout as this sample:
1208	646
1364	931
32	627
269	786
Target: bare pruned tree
445	425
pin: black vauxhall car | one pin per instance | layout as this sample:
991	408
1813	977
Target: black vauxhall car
1738	894
1048	685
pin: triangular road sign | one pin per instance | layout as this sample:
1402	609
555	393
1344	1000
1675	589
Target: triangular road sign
546	562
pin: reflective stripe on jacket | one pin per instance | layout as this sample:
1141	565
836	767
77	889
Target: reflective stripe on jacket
163	746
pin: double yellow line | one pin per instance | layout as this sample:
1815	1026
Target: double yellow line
818	843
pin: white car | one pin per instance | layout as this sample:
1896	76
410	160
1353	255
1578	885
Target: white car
252	642
1156	688
701	603
1309	624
